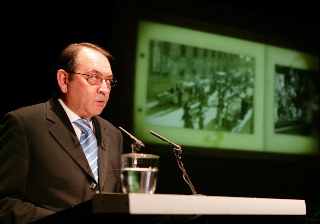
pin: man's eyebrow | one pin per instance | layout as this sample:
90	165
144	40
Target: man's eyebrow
100	74
95	71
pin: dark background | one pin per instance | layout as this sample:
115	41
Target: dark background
33	35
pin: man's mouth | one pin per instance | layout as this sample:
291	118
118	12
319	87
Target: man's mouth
101	101
101	98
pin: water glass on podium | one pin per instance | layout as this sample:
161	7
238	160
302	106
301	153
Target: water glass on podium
139	173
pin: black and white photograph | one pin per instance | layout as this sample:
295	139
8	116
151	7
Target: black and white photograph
296	101
197	88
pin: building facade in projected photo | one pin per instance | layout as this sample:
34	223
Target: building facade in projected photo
197	88
296	108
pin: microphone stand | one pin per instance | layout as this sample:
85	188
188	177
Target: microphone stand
177	152
136	145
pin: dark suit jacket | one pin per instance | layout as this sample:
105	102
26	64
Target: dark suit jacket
42	166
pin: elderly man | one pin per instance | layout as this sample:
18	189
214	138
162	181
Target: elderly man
60	153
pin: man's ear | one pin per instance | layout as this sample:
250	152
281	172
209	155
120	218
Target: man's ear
63	79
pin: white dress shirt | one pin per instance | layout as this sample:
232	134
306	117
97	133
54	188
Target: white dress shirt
73	117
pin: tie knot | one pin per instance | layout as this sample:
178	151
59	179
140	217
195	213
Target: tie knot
83	125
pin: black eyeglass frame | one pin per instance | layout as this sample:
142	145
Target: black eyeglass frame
112	80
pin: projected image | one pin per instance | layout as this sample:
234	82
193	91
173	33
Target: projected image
296	101
197	88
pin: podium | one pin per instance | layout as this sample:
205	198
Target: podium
164	208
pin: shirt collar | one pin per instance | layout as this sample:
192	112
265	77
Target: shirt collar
72	116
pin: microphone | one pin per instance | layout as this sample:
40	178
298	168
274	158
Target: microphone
178	151
134	138
178	147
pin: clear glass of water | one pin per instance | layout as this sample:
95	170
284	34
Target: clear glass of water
139	173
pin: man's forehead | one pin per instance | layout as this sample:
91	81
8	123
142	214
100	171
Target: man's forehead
94	68
101	70
91	55
93	61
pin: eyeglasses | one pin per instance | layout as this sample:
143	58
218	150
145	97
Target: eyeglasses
97	79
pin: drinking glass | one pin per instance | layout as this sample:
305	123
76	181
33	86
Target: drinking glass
139	173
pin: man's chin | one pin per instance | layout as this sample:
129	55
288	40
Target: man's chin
98	111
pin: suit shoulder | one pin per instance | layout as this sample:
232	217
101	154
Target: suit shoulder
27	114
30	110
106	123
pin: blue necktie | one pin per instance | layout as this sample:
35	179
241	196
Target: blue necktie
89	145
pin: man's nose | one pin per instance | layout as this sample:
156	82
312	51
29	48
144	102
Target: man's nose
104	87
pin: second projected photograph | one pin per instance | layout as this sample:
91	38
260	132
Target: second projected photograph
296	108
197	88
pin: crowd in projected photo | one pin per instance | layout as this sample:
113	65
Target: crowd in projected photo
197	88
296	101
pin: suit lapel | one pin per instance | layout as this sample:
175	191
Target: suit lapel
62	130
103	142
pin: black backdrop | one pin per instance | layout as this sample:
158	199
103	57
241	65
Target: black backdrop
34	34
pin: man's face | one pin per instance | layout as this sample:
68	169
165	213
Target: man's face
84	99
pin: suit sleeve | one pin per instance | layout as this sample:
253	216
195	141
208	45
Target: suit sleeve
14	157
